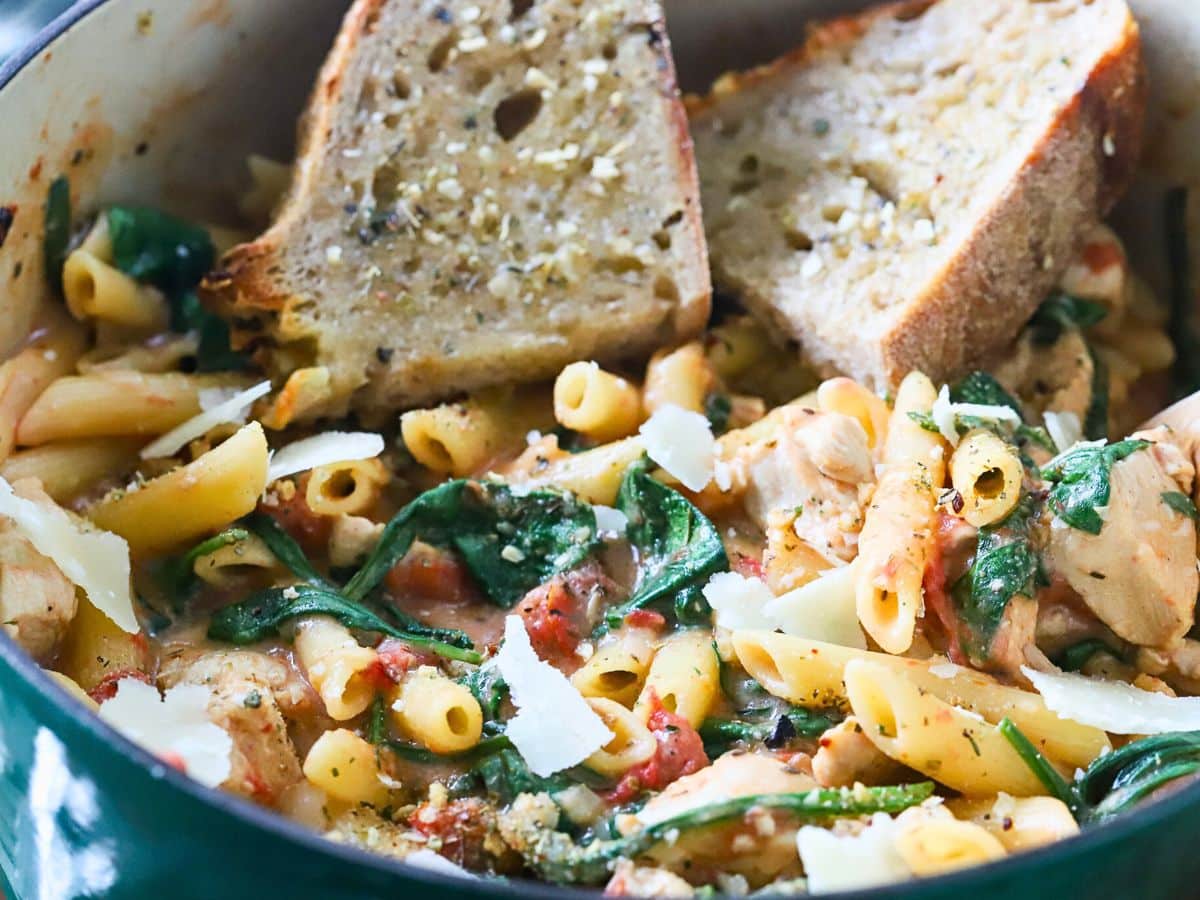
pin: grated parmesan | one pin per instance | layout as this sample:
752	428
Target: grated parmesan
839	862
554	727
322	450
682	443
95	560
1064	429
229	409
174	726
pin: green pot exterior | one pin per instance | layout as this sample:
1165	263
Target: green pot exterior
85	813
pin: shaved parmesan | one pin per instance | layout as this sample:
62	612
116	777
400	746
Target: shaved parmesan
825	609
434	862
1064	429
323	450
945	414
1113	705
842	862
554	727
95	560
231	409
174	727
682	443
610	522
738	601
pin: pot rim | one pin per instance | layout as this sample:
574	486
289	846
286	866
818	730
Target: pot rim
1024	864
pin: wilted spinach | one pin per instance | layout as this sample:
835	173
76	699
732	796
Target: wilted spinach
1082	481
678	548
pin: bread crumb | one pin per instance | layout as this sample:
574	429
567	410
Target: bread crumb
594	66
472	44
811	266
536	39
604	168
333	255
449	187
539	80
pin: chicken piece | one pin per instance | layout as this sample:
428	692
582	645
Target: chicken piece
364	828
246	687
1179	667
811	470
760	847
1056	378
37	602
845	755
188	665
630	880
1138	575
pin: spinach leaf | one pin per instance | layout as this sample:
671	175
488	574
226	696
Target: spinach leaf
411	625
1061	311
717	407
213	351
558	858
485	748
1082	482
510	543
1114	782
721	735
678	548
284	548
980	387
1186	371
925	420
1005	565
177	575
1076	656
261	615
505	775
488	686
377	730
1181	503
158	249
56	230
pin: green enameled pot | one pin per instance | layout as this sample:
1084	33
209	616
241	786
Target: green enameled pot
160	101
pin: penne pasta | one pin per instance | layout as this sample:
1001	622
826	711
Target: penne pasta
96	290
345	488
683	678
115	404
632	743
68	468
987	474
848	397
617	670
436	712
810	673
596	403
191	501
346	768
683	377
898	529
955	747
594	475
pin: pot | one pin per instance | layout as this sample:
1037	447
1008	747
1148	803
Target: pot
159	102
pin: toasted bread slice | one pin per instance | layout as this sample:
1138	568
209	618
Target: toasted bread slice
485	191
902	191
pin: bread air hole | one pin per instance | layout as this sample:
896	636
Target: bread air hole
401	88
441	51
797	240
519	8
516	112
666	289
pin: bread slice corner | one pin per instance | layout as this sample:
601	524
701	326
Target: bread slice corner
485	190
902	191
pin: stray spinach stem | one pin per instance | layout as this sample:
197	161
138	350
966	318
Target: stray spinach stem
1041	767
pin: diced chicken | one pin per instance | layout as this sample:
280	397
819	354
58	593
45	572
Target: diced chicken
811	470
1138	575
366	829
1056	378
845	755
1178	667
760	847
630	880
216	667
246	689
37	602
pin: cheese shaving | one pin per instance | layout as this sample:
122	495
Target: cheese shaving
738	601
1114	706
1064	429
682	443
825	609
323	450
945	414
611	523
842	862
174	727
554	727
231	409
95	560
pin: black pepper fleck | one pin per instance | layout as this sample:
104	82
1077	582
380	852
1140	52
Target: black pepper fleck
384	354
7	214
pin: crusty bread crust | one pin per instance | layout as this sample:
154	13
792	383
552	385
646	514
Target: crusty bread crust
250	292
986	291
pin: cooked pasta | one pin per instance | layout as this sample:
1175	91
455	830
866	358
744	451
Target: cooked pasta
987	474
437	713
596	403
500	628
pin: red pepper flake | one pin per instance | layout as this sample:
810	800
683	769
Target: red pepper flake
646	618
106	687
